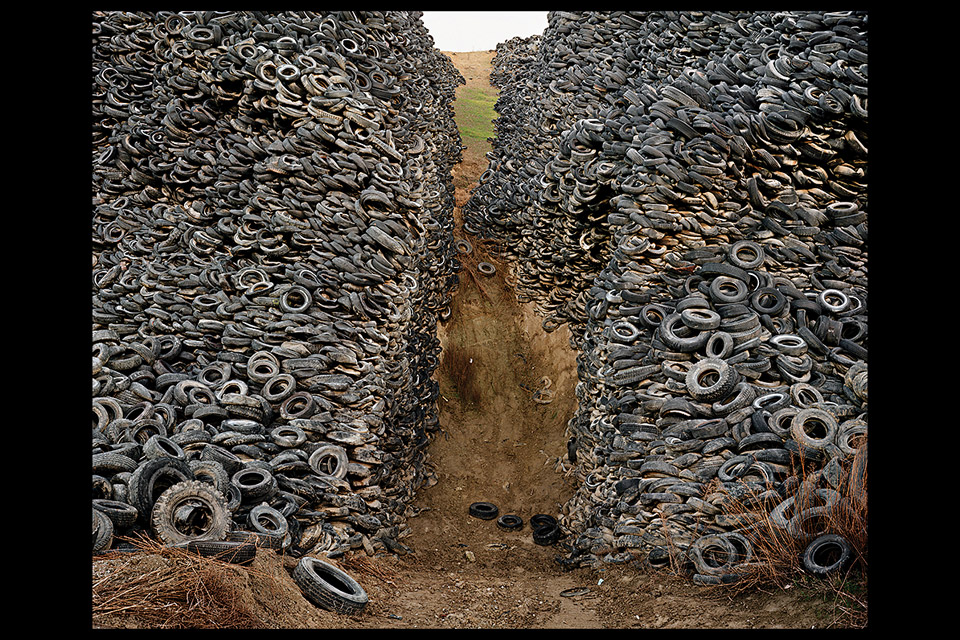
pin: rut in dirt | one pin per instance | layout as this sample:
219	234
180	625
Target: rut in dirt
506	395
506	389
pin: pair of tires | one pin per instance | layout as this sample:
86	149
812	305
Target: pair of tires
546	529
490	511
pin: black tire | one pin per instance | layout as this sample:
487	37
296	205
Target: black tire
510	522
546	535
328	586
827	554
682	343
149	480
230	461
814	428
122	515
188	511
102	488
212	473
712	554
329	460
742	545
484	510
269	524
541	519
102	531
162	447
256	484
810	523
108	464
700	319
711	379
232	552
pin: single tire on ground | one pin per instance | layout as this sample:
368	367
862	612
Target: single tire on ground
484	510
328	586
827	554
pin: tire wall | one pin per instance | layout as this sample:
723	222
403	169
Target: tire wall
274	190
647	163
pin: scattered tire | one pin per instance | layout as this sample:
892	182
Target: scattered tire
510	522
484	510
212	473
188	511
331	460
827	555
486	268
711	379
328	586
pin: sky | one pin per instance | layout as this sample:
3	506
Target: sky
481	30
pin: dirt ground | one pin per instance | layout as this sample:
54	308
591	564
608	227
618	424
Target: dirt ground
495	445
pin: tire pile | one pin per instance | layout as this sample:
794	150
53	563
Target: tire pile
272	247
688	192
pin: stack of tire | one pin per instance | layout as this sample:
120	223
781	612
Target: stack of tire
687	191
272	248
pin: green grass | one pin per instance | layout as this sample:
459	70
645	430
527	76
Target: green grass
475	113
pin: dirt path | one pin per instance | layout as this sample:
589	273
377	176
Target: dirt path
497	445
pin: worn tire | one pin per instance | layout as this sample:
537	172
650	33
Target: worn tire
269	524
162	447
108	464
540	519
102	531
813	428
149	480
230	551
122	515
188	511
328	587
546	534
711	379
510	522
827	554
484	510
212	473
331	460
256	484
703	553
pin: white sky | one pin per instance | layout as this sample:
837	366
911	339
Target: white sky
481	30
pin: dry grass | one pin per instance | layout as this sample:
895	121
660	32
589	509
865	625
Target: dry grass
358	565
182	591
778	555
